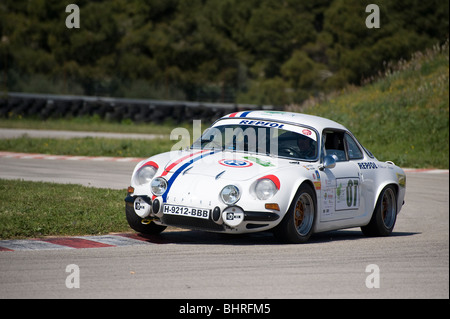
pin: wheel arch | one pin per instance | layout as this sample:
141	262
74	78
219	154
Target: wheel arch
381	187
296	188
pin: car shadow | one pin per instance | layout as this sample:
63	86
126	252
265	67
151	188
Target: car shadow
183	237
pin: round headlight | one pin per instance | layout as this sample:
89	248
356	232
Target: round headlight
158	186
230	194
265	189
145	174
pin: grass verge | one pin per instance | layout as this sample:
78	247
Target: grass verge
403	115
87	146
36	209
88	123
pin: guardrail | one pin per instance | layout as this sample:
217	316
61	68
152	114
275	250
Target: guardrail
46	106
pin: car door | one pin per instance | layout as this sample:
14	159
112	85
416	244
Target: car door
341	185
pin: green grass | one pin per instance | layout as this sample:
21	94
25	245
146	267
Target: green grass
92	146
35	209
87	123
403	115
88	146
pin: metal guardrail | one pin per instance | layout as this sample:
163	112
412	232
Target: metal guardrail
138	110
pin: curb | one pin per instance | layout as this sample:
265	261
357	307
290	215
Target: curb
77	242
69	157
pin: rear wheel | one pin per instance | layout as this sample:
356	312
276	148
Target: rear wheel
297	225
385	214
141	225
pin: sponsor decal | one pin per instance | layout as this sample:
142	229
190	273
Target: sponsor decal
347	193
275	112
306	132
235	163
233	216
261	123
367	165
141	207
259	161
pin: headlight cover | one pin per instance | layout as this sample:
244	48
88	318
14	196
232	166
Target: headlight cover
230	194
158	186
145	174
265	189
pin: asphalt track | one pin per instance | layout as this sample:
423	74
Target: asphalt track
412	263
15	133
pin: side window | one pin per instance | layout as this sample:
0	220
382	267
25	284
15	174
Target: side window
354	152
334	145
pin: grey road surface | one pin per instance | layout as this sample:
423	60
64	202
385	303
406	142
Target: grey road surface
412	263
93	173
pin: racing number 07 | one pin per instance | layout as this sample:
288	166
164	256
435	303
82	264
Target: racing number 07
352	193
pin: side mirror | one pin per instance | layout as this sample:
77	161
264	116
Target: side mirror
328	162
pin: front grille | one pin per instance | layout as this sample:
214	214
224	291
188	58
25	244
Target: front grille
190	222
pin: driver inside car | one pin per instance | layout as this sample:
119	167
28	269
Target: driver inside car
296	146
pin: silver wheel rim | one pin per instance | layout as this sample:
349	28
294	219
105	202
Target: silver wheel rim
304	214
388	208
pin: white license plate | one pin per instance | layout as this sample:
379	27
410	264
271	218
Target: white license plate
186	211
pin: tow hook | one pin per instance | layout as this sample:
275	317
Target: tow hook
146	221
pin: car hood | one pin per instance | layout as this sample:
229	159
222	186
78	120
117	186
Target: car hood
223	164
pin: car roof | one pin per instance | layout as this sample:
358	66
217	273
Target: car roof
317	122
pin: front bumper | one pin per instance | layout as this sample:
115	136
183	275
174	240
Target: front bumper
221	219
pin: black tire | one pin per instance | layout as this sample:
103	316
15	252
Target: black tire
298	223
136	224
384	215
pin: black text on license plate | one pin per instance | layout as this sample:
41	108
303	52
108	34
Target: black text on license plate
186	211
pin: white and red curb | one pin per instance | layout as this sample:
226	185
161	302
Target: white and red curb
68	157
426	170
57	243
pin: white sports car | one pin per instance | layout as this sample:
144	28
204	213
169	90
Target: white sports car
291	173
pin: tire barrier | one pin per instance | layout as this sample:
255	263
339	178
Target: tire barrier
44	106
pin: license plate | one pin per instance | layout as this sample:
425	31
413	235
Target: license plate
186	211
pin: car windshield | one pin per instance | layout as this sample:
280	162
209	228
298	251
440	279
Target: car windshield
261	137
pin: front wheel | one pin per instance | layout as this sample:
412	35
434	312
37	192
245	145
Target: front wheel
385	214
297	225
136	222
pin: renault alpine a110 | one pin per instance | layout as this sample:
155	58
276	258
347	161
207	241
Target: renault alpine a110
293	174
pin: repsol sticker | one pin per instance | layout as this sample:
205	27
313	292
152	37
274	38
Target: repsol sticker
261	123
368	165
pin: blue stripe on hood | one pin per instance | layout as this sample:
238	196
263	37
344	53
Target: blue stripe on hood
181	169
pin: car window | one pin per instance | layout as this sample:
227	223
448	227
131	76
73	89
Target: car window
334	145
268	138
354	152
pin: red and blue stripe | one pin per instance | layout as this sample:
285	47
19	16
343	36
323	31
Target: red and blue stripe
180	169
239	114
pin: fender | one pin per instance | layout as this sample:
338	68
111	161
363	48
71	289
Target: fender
380	189
296	186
